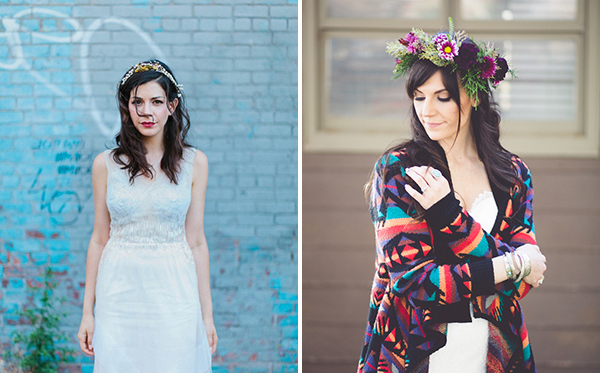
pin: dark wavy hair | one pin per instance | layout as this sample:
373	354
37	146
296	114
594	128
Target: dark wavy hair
485	126
129	140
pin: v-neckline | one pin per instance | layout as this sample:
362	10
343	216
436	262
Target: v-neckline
480	197
151	181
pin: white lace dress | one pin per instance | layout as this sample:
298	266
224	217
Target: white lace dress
147	312
466	344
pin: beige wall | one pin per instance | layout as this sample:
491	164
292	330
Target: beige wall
338	251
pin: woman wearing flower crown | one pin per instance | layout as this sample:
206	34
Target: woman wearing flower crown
452	211
147	305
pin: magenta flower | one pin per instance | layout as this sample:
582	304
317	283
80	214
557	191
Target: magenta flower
410	37
414	48
439	39
412	43
448	49
487	67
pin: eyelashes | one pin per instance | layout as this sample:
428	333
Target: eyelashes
442	99
138	102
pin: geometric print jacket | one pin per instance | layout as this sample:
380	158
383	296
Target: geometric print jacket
427	272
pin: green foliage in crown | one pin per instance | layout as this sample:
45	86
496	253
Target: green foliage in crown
479	66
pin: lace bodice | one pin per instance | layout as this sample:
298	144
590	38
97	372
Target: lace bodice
484	210
149	211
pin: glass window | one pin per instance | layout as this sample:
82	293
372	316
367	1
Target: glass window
359	79
546	84
352	104
509	10
400	9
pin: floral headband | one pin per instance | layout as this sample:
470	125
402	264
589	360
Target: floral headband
479	65
151	66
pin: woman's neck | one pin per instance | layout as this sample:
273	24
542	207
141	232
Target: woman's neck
462	150
154	149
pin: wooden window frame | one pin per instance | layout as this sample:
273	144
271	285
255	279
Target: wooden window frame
585	142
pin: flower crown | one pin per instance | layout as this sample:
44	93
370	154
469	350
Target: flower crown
479	65
151	66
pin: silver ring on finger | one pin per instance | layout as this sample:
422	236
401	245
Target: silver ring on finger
541	281
423	189
436	173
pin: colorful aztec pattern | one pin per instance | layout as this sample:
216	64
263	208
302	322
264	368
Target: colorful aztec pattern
411	283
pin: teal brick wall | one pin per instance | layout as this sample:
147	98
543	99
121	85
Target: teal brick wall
60	61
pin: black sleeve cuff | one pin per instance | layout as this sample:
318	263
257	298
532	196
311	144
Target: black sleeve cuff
482	277
443	212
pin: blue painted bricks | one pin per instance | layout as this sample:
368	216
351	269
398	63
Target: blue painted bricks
237	60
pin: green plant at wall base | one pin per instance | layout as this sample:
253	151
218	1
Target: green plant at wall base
38	350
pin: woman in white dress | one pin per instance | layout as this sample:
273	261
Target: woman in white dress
147	304
453	217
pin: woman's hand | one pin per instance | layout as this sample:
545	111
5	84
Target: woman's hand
433	184
211	334
86	334
538	264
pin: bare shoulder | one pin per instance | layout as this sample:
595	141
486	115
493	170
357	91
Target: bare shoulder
200	166
99	165
200	160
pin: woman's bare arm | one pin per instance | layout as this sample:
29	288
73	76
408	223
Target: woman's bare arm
197	240
98	240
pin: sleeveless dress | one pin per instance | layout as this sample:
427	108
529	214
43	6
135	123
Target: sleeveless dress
466	343
147	313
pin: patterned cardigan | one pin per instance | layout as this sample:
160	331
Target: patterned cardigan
427	273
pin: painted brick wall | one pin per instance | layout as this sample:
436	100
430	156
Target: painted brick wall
60	61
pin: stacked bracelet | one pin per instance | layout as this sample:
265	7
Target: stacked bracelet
527	261
508	266
518	266
521	267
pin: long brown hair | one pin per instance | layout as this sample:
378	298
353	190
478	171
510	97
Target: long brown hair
485	125
129	140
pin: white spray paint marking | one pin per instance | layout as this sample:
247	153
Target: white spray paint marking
80	35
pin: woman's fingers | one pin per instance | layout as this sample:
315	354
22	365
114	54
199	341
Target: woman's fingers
538	264
90	338
433	185
82	342
212	340
85	342
418	177
413	193
86	334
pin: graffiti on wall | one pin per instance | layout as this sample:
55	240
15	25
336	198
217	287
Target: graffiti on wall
64	204
79	35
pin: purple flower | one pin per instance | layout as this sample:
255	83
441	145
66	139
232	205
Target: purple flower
414	48
487	67
467	56
440	38
502	70
447	50
412	43
398	61
410	37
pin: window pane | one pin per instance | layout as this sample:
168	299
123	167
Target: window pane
360	89
519	10
359	80
546	88
399	9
